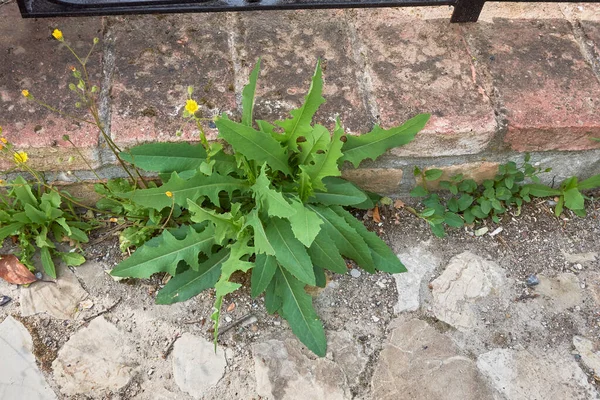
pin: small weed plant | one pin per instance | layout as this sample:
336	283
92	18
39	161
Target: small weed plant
272	205
513	185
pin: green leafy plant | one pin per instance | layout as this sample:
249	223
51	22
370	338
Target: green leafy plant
513	185
36	220
272	205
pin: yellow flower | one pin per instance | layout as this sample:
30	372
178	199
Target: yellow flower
25	93
169	194
3	140
58	35
191	106
21	157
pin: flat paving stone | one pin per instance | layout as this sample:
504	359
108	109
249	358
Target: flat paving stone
562	291
33	60
467	280
59	299
153	70
420	66
420	264
589	353
417	362
289	44
549	92
527	375
20	377
285	372
96	358
196	366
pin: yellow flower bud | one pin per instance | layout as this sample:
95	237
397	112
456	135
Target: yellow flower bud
58	35
25	93
3	140
21	157
169	194
191	106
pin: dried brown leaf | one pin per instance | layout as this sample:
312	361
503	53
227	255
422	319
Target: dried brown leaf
398	204
231	307
376	216
13	271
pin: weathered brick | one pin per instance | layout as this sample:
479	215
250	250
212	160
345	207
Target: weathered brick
289	47
478	171
377	180
156	58
33	60
548	89
425	66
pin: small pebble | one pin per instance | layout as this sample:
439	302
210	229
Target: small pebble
355	273
228	319
38	275
579	266
375	319
4	300
532	280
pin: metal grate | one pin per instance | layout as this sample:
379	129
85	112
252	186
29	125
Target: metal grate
464	10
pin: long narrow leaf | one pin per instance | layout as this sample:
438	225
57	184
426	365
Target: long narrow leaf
248	96
262	273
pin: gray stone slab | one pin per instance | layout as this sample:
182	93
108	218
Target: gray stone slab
20	377
525	375
562	291
285	372
419	363
59	299
589	352
420	264
97	358
196	366
467	280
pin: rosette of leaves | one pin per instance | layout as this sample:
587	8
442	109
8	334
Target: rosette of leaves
37	221
273	206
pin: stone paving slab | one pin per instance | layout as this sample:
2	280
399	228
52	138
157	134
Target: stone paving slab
547	88
424	66
33	60
156	58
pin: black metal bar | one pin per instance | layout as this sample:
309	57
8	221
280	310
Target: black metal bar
467	10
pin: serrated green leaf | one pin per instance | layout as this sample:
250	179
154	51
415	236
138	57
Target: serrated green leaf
574	199
35	215
162	254
182	190
324	253
320	278
272	298
589	183
289	251
248	96
304	183
270	199
254	145
299	124
9	230
261	242
383	257
378	141
262	273
77	235
72	259
189	283
305	223
539	190
22	191
325	164
297	309
225	225
47	262
316	140
346	239
340	192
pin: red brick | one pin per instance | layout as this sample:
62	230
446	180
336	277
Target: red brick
156	58
376	180
35	61
548	89
424	66
290	45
